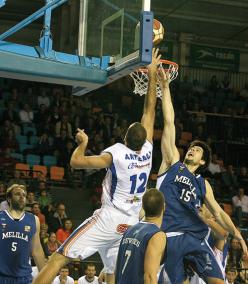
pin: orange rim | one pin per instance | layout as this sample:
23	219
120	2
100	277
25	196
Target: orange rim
163	61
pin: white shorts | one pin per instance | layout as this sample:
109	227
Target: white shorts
99	233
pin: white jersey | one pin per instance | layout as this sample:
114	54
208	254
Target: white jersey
126	179
82	280
69	280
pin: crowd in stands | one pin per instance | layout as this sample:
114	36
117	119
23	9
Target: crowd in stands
38	123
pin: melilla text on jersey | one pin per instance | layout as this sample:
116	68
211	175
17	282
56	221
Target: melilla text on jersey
16	235
186	180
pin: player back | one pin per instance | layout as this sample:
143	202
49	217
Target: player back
130	262
15	245
184	194
126	179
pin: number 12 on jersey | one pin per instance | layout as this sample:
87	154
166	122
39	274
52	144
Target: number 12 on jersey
138	188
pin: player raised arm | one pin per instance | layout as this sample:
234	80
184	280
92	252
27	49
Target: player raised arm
80	161
154	254
37	251
148	117
170	154
221	217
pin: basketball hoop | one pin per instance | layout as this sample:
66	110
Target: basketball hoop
141	79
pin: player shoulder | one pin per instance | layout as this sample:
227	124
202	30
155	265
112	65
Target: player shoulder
158	239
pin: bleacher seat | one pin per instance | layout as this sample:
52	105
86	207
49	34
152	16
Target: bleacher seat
17	156
22	139
57	173
34	140
49	161
24	147
23	168
33	159
39	170
29	129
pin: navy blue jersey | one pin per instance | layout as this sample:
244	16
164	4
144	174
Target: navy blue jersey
15	244
130	261
184	193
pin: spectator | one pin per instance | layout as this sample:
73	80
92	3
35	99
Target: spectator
44	199
30	201
243	274
214	167
17	179
51	245
10	141
235	253
56	221
229	179
43	146
65	125
63	233
26	115
90	275
240	205
243	177
36	211
10	113
214	85
63	277
2	192
6	161
231	274
244	92
43	99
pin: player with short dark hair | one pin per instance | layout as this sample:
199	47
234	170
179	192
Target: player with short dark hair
143	245
185	191
19	239
128	167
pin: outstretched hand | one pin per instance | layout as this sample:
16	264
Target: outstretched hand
164	78
155	60
81	136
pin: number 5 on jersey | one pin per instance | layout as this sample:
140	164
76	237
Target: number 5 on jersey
141	186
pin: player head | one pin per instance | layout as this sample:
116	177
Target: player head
135	136
16	197
198	154
90	271
153	203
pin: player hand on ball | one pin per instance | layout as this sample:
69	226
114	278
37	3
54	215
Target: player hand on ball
81	136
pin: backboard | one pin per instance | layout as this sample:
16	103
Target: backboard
114	28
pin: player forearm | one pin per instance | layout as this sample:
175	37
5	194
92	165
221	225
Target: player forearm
150	278
167	106
225	221
39	258
150	98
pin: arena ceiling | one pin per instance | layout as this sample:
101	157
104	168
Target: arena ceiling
220	22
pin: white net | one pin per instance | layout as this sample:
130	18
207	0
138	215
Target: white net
141	79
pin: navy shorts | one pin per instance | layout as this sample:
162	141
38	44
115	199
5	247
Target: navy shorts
15	280
187	251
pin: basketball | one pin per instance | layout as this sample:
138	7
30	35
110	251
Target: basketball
158	32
